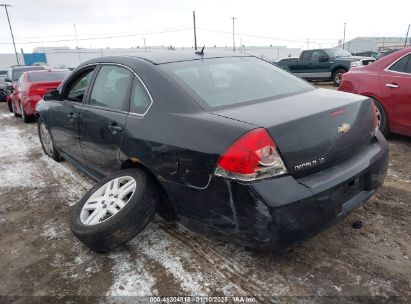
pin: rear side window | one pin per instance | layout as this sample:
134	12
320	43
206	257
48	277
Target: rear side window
47	76
111	87
140	100
400	65
223	82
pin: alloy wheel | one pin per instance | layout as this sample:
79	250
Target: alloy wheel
378	116
338	78
46	139
108	200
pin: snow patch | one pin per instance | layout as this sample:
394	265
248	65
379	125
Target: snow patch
130	277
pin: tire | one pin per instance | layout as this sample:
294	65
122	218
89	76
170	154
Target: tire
26	118
337	76
104	232
382	118
10	106
46	141
14	111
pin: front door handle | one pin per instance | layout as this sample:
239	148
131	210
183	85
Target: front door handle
115	128
72	116
392	85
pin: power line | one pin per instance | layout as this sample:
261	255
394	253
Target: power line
99	38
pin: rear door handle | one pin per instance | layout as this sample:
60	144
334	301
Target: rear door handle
392	85
115	128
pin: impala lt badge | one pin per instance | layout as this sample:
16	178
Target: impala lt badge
344	128
310	164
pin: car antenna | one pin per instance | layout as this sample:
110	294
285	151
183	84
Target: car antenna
201	52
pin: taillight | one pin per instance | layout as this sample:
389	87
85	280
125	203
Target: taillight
37	91
253	156
374	109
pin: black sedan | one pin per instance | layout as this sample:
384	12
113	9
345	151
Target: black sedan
226	143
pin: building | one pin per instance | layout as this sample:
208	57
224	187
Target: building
375	44
65	57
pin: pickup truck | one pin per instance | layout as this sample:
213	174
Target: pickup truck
323	64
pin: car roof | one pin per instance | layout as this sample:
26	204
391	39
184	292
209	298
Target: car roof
29	67
167	56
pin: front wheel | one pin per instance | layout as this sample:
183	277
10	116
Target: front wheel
47	141
115	210
337	76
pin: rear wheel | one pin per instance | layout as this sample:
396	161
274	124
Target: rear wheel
382	118
26	118
115	210
13	110
47	141
337	76
10	106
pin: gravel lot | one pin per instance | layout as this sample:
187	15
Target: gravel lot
40	257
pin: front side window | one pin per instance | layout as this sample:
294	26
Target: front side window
140	100
400	65
77	87
223	82
111	87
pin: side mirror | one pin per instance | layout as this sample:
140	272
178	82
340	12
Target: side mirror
52	95
323	59
7	79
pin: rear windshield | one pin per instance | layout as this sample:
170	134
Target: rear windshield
224	82
48	76
16	73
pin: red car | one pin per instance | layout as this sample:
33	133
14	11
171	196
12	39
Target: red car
31	87
388	82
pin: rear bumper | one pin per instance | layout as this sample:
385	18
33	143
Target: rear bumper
30	105
281	211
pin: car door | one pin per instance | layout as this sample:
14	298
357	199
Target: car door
395	82
103	119
63	115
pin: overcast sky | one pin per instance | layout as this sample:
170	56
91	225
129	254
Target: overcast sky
169	22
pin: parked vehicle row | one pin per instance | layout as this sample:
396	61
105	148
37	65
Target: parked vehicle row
323	64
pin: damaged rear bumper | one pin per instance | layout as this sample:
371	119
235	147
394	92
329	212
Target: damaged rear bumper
281	211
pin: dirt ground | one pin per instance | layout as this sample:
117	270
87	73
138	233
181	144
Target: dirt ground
40	259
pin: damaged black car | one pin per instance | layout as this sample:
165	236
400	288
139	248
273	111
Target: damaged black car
226	143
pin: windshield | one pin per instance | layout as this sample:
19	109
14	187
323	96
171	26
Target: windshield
221	82
335	53
47	76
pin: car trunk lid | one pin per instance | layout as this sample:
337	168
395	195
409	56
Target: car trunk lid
312	130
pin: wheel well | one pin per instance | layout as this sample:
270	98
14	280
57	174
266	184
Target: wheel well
383	107
338	68
165	208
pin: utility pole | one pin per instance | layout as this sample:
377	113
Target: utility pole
145	48
78	50
344	36
233	34
195	31
406	37
11	31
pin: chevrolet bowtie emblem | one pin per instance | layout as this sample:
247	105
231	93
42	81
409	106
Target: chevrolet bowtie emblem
344	128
